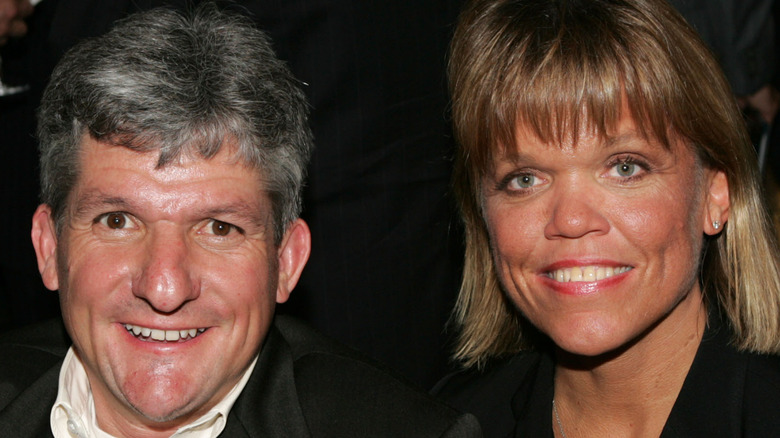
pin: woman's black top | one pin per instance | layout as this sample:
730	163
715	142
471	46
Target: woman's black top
727	393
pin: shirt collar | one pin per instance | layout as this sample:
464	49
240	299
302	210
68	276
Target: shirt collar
73	413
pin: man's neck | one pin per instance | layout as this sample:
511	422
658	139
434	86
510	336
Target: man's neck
112	419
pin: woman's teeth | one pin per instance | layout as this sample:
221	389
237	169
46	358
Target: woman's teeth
586	273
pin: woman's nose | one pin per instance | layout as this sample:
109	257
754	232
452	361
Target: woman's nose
577	210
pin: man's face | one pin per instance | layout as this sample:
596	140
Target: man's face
168	279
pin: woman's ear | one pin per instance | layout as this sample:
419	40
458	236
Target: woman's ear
293	254
44	239
718	202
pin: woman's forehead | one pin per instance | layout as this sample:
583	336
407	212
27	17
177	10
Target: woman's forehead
586	130
625	137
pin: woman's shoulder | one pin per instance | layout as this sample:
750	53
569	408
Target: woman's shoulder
488	392
761	396
765	368
728	392
499	373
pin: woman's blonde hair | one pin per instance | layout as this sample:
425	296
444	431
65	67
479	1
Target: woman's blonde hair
556	66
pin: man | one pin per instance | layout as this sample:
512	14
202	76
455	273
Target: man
173	152
386	247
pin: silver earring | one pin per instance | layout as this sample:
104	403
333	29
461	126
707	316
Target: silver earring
716	225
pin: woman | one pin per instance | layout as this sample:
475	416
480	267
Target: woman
621	275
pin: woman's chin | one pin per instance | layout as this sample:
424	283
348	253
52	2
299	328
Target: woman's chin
585	350
594	344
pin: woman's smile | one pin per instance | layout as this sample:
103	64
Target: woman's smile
585	273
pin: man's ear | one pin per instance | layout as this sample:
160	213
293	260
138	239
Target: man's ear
718	202
292	254
44	239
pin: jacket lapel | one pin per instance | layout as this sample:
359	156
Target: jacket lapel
27	416
268	406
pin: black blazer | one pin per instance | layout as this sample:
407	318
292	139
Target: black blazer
304	385
727	393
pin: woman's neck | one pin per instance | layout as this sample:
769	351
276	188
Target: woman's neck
631	392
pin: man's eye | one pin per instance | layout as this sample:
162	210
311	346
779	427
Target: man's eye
115	221
220	228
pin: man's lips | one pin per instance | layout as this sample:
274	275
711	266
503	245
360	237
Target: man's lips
588	273
159	335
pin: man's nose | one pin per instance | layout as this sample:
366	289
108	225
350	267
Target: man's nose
166	278
577	211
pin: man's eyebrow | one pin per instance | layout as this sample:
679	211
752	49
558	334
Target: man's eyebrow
93	200
253	214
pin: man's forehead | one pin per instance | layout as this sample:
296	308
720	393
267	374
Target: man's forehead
150	157
116	174
163	155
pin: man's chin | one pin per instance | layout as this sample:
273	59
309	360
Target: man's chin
161	406
162	417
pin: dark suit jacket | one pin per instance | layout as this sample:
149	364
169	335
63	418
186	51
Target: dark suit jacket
727	394
304	385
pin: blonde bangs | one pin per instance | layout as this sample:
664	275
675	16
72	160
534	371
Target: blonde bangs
582	81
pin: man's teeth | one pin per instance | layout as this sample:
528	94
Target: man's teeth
163	335
586	273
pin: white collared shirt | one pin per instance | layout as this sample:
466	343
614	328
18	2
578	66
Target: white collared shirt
73	413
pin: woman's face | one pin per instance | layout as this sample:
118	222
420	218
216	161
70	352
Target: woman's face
597	241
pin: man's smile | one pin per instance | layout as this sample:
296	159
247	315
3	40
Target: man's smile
150	334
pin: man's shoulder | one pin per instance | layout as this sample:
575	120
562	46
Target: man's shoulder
33	349
49	336
341	390
29	366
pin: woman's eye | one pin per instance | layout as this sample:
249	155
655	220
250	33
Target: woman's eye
115	221
523	181
627	169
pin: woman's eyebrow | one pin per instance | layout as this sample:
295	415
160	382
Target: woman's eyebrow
626	138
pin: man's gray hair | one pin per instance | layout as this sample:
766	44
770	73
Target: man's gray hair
178	83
